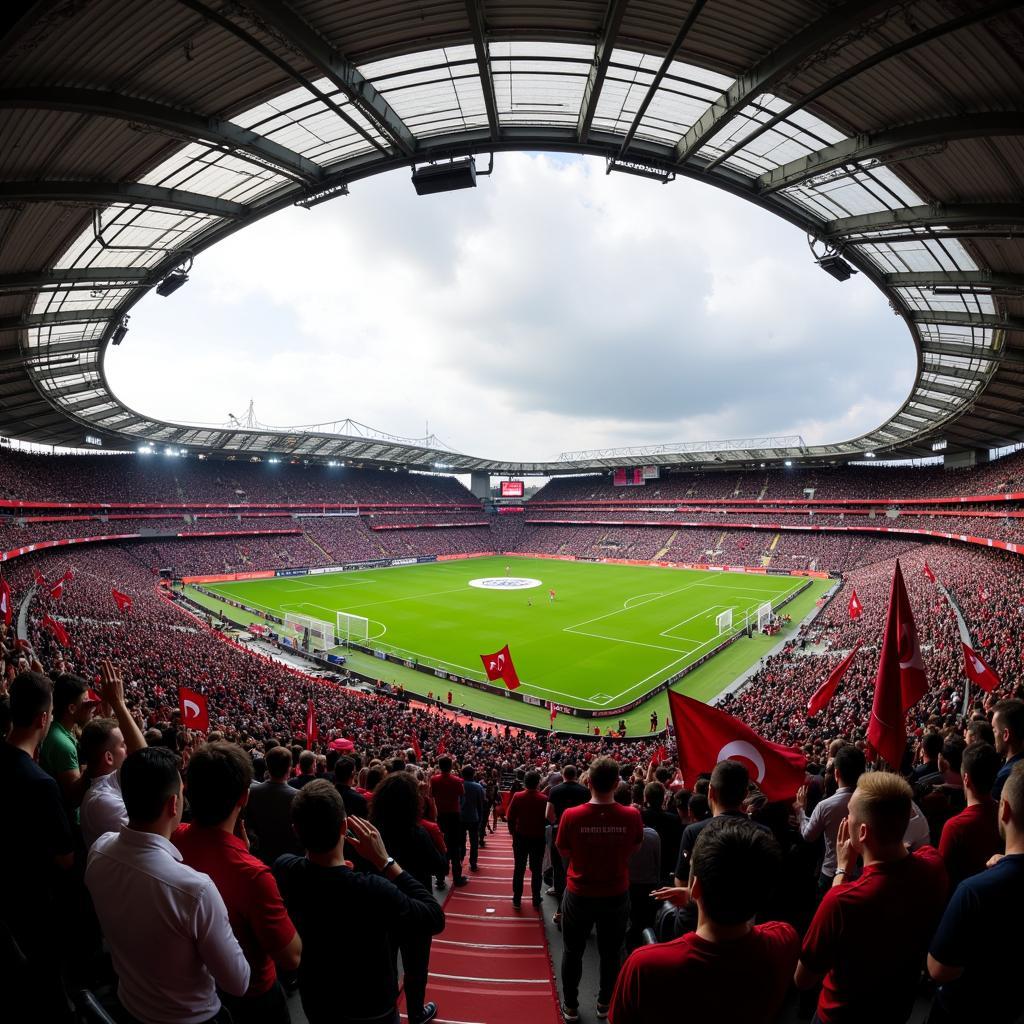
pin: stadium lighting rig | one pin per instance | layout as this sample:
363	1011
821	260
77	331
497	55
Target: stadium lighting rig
175	279
120	331
831	262
430	178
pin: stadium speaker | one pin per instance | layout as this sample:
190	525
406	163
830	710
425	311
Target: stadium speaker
171	283
447	177
837	267
119	332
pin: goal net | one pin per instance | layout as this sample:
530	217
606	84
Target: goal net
724	621
308	633
353	627
764	614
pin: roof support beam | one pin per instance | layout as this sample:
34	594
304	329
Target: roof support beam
101	193
776	66
222	134
31	280
887	143
980	214
599	69
674	48
962	372
475	11
966	280
994	321
60	316
341	72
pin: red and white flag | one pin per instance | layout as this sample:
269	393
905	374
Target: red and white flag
978	670
57	590
928	574
37	576
856	608
195	714
6	602
312	730
660	754
982	593
705	736
824	693
901	680
123	601
60	634
67	577
499	666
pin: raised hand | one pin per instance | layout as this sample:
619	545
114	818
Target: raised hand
677	895
367	840
846	854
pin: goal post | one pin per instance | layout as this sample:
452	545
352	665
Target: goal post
353	627
724	621
764	615
309	633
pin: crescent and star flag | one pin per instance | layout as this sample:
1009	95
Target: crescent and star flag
824	693
60	634
37	576
57	590
856	608
312	731
123	601
928	574
978	670
901	680
705	736
499	666
6	602
194	712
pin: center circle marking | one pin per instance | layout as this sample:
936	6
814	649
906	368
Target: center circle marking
505	583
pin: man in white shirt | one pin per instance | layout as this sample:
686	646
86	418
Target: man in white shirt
166	924
103	746
848	765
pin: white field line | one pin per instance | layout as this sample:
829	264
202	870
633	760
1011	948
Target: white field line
667	633
620	640
627	604
619	611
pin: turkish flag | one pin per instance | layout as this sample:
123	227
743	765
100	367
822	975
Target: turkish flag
901	680
6	602
705	736
660	754
856	608
824	693
312	731
194	712
123	601
928	574
414	742
978	670
57	590
60	634
67	577
38	577
499	666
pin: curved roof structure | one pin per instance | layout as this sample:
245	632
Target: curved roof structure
136	135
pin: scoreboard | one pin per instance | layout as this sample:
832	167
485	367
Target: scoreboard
512	488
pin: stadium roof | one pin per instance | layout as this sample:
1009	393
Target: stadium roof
135	135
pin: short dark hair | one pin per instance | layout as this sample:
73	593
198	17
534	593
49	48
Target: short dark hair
698	808
624	794
980	731
219	775
318	814
654	795
279	762
532	780
444	763
1011	711
344	769
1013	792
31	694
396	764
95	738
469	772
730	780
307	761
569	772
604	775
737	865
67	688
953	752
850	764
981	763
931	744
148	777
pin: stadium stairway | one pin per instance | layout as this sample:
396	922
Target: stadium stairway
490	965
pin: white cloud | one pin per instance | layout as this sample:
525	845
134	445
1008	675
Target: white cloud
554	307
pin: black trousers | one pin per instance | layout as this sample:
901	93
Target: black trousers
454	839
270	1007
471	831
527	851
415	967
580	915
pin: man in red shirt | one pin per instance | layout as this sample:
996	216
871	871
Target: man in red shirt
447	791
217	785
596	841
868	938
972	836
735	867
527	822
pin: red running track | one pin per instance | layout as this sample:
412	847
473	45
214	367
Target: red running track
490	965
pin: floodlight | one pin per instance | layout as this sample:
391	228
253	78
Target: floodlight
119	332
448	177
789	462
171	283
273	460
837	267
869	455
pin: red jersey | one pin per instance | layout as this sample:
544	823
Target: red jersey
526	814
447	791
969	839
255	908
656	981
598	840
869	938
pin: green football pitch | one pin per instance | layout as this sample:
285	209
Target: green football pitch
611	634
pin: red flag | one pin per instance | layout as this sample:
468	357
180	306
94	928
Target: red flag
60	634
824	693
194	711
928	574
978	670
901	680
982	593
6	602
856	608
554	712
441	746
499	666
705	736
38	577
312	730
123	601
660	754
67	577
414	742
57	590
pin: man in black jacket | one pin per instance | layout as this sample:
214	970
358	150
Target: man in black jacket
325	897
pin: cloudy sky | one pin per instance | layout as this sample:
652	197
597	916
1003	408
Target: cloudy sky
552	308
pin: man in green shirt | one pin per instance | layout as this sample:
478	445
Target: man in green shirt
58	755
